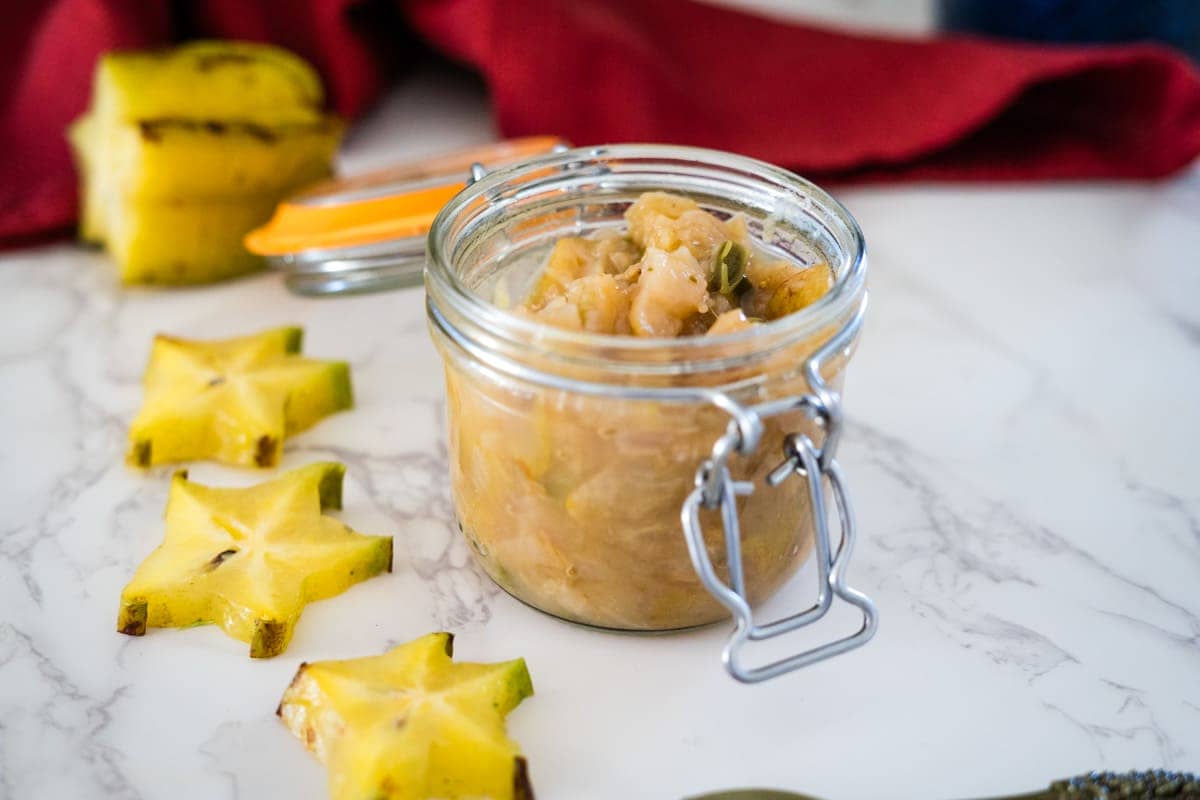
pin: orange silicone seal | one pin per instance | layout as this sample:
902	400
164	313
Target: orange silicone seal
390	204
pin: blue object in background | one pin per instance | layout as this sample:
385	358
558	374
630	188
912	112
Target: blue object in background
1172	22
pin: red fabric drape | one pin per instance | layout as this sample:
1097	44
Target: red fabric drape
825	103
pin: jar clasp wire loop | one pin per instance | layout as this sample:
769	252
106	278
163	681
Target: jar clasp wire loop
715	489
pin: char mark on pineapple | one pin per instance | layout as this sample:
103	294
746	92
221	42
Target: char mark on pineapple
152	130
259	132
209	62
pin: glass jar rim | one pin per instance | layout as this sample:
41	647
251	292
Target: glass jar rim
445	285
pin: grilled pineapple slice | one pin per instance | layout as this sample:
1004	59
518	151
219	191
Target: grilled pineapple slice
205	243
181	159
208	79
250	559
233	400
411	724
183	151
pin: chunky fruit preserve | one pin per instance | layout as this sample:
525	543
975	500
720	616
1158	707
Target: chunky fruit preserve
677	270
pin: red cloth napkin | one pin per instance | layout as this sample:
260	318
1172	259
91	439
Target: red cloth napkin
830	105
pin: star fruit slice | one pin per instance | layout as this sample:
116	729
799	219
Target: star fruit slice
250	559
411	724
233	400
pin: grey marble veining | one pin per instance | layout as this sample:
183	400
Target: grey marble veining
1021	451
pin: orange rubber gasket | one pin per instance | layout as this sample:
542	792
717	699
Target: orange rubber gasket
315	220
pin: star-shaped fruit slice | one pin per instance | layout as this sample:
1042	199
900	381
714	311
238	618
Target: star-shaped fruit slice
232	400
411	724
250	559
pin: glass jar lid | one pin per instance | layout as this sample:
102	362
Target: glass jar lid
367	232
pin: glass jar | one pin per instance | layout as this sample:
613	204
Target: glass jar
574	455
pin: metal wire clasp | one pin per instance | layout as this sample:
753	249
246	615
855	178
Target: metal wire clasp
716	489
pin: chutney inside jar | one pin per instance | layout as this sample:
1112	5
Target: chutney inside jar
577	416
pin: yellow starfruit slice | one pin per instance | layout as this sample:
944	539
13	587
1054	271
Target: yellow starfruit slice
249	559
233	400
411	724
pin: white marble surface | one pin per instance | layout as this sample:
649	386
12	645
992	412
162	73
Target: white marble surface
1022	450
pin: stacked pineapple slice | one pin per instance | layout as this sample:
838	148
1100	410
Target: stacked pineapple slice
183	151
